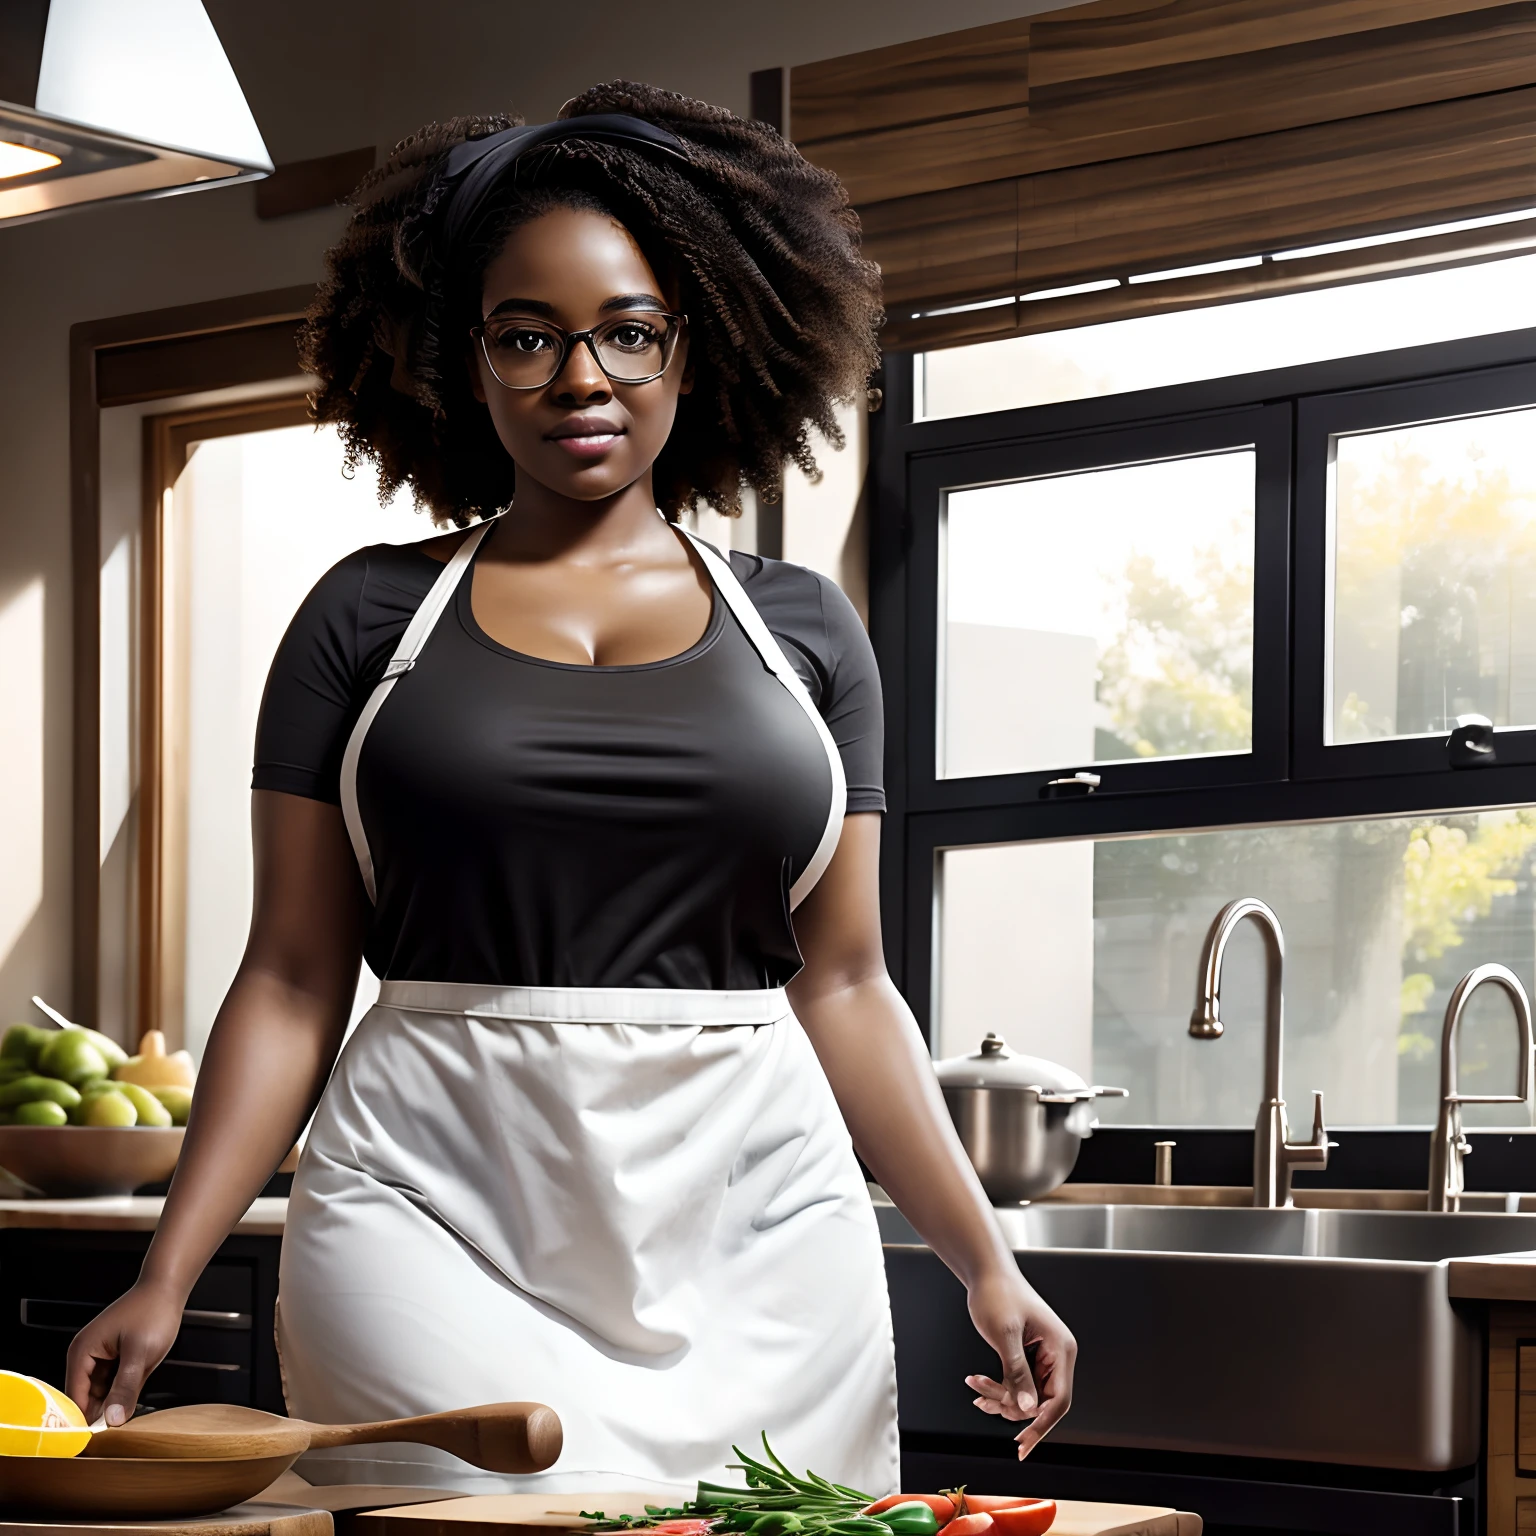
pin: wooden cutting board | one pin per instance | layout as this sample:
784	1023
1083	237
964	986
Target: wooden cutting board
242	1520
503	1514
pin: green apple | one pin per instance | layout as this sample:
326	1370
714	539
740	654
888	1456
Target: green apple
176	1099
110	1109
27	1090
40	1112
70	1055
150	1110
24	1043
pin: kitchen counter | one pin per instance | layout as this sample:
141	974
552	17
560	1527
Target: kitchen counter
1495	1277
129	1213
1499	1277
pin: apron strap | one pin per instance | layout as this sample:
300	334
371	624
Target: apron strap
778	663
423	622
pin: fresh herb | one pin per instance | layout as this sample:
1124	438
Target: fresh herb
774	1503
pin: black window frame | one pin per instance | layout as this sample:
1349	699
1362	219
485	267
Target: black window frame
1320	420
1296	780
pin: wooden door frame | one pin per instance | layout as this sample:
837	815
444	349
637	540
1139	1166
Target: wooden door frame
158	354
161	931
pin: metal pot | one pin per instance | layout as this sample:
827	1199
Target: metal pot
1021	1120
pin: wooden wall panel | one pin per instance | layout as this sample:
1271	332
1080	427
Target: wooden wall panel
1119	35
935	77
1188	206
1279	190
1113	115
1142	134
1306	82
962	242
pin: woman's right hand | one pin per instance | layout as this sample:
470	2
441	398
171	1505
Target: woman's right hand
114	1353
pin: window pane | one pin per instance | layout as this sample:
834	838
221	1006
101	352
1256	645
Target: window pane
1087	954
1434	532
1221	340
255	520
1099	617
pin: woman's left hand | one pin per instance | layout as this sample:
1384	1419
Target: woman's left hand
1036	1386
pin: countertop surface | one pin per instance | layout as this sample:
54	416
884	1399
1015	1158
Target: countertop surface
127	1213
1493	1277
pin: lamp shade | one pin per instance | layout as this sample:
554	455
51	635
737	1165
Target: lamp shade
107	99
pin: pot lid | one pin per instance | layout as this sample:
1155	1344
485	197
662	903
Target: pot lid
995	1066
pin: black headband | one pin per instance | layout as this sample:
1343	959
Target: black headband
474	167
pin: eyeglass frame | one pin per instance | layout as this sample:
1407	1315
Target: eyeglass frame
571	338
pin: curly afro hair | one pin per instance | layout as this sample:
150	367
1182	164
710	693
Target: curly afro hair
763	246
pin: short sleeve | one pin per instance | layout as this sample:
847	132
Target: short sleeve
328	662
825	640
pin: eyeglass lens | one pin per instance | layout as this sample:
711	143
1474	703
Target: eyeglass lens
527	354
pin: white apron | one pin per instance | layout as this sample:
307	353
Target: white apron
638	1205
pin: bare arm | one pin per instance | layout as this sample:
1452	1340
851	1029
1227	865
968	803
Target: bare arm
272	1048
881	1073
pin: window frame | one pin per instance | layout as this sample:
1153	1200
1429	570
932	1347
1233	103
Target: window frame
927	815
1320	419
1265	429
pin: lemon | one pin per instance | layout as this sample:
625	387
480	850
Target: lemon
38	1420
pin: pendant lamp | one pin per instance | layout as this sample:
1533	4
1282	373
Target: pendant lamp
108	99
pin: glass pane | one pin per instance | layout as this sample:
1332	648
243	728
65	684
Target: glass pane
1434	534
254	521
1087	954
1099	617
1221	340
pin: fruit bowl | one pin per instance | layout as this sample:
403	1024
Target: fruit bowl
74	1160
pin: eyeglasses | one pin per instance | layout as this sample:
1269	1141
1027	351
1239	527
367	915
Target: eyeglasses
631	349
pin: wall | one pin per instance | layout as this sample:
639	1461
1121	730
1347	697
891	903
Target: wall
320	79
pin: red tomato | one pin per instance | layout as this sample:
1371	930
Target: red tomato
1032	1517
682	1527
968	1525
990	1503
943	1509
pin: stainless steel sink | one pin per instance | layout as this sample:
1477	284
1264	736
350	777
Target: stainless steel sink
1307	1335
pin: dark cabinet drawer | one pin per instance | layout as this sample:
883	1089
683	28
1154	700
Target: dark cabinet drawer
53	1283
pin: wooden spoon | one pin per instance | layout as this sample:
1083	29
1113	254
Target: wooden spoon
501	1437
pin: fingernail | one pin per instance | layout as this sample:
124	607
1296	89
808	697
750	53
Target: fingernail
115	1415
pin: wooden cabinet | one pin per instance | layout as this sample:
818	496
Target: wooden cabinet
52	1282
1511	1420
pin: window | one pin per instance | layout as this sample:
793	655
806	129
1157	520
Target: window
1086	952
1101	616
1159	631
1226	340
255	512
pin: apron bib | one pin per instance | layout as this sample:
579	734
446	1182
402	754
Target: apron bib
638	1205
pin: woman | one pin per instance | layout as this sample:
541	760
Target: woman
563	778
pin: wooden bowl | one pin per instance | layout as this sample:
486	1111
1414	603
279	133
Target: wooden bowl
126	1490
69	1160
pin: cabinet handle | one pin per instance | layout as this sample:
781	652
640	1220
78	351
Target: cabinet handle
84	1311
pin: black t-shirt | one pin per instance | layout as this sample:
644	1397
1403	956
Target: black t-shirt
536	823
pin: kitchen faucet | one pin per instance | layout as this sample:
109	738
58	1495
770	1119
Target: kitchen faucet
1274	1156
1449	1146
